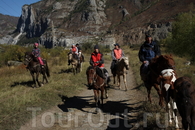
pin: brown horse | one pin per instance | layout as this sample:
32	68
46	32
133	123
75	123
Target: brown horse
185	100
35	68
76	64
167	79
120	69
156	65
98	84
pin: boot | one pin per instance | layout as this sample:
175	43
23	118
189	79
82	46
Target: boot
68	62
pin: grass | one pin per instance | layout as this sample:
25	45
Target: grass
17	95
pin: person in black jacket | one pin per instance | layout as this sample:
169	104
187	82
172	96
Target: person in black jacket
148	50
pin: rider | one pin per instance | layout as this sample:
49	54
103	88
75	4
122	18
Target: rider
117	53
98	60
73	50
37	52
148	50
79	51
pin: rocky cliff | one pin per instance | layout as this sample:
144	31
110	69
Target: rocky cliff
7	26
64	22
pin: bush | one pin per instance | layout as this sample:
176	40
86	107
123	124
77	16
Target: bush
181	40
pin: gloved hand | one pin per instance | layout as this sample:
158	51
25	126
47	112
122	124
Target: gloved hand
97	62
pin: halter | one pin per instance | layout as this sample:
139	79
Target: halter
94	78
29	59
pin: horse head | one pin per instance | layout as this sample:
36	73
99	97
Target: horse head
167	78
28	57
126	62
90	72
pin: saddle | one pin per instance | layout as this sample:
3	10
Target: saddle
101	72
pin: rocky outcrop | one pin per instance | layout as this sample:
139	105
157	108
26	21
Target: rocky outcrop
30	24
62	23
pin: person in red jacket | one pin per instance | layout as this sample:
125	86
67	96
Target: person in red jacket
37	53
74	50
98	60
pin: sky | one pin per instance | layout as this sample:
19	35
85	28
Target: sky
14	7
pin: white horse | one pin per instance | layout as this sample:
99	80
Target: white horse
168	77
76	64
120	68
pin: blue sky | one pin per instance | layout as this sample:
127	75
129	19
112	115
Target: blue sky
14	7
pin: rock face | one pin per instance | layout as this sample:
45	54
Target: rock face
62	23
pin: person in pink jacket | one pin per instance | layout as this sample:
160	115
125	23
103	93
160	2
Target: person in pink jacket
37	53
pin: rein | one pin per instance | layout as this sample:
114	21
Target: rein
94	78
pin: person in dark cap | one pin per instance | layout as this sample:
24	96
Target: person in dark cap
98	60
148	50
79	52
117	53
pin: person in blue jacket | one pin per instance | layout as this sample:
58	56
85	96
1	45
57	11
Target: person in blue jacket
148	50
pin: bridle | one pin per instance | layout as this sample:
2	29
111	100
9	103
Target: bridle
94	78
28	59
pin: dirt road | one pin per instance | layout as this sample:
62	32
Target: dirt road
77	113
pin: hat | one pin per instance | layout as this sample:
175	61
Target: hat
147	35
36	44
77	44
96	47
117	45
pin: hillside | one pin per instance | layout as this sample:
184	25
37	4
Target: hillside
7	24
64	22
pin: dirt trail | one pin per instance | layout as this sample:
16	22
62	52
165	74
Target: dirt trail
77	113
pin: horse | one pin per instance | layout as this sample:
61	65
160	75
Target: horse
185	100
97	83
167	79
156	65
120	68
76	64
35	68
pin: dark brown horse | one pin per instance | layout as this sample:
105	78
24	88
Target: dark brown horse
98	84
156	65
185	100
120	69
35	68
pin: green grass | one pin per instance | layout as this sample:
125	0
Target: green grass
16	95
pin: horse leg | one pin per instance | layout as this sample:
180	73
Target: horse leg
125	82
148	87
33	77
175	114
102	96
119	80
106	93
37	79
96	99
114	79
161	103
81	66
44	78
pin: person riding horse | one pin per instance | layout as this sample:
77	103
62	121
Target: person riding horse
74	50
97	60
37	54
79	52
148	50
117	53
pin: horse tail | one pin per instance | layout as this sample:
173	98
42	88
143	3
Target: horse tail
47	69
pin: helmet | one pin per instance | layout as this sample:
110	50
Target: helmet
36	44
